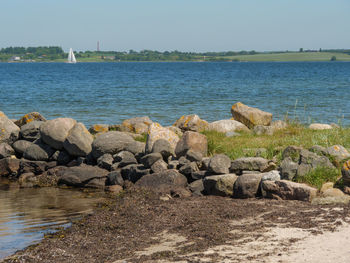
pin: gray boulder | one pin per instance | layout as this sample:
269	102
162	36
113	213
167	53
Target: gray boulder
133	172
288	169
81	175
163	181
20	146
31	131
188	169
115	178
194	156
149	159
163	147
196	187
271	176
293	152
250	116
110	142
136	147
249	164
247	186
338	153
38	152
124	158
78	141
219	164
288	190
192	141
221	185
105	161
8	130
159	166
55	132
310	160
6	150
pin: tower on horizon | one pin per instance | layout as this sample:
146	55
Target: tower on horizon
98	46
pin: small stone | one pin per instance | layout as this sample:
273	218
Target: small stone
196	187
194	156
288	169
105	161
188	169
124	158
159	166
31	131
173	164
226	126
6	150
320	126
219	164
149	159
191	123
115	178
20	146
164	148
249	164
247	186
221	185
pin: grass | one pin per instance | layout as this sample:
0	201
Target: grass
318	176
247	144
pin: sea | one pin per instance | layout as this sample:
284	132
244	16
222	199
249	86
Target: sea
108	93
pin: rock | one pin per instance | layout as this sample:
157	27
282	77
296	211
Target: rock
333	192
183	161
188	169
156	132
191	123
345	171
219	164
279	125
196	187
105	161
338	153
149	159
205	163
225	126
81	175
192	141
271	176
38	152
110	142
97	183
176	130
134	172
20	146
164	181
54	132
247	186
288	190
173	164
136	147
221	185
137	125
164	148
159	166
79	141
318	150
6	150
326	186
31	131
331	200
288	169
250	116
8	130
124	158
261	130
194	156
61	157
196	175
9	167
293	152
36	167
310	160
99	128
320	126
30	117
27	180
249	164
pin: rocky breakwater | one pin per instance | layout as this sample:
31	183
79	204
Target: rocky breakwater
35	152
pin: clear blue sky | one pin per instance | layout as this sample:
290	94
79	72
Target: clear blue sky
186	25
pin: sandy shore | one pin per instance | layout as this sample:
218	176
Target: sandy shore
141	227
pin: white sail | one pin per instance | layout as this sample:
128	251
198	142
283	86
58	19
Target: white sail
71	56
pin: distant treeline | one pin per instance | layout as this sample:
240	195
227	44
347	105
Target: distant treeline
32	52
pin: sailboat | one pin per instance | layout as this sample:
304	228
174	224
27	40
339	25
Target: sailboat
71	57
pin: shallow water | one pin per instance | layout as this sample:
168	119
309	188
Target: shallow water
27	214
111	92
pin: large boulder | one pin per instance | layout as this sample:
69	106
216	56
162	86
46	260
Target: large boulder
136	148
320	126
225	126
9	166
249	164
124	158
110	142
156	132
8	130
221	185
345	171
30	117
192	141
191	123
288	169
247	186
38	152
309	161
6	150
164	148
80	176
55	132
163	181
288	190
78	141
20	146
219	164
250	116
137	125
338	153
31	131
149	159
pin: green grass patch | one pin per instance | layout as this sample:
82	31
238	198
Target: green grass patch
318	176
247	143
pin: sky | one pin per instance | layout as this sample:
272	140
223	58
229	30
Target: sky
184	25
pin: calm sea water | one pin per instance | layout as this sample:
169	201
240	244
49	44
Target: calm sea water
111	92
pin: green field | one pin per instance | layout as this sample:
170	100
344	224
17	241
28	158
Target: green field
292	56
